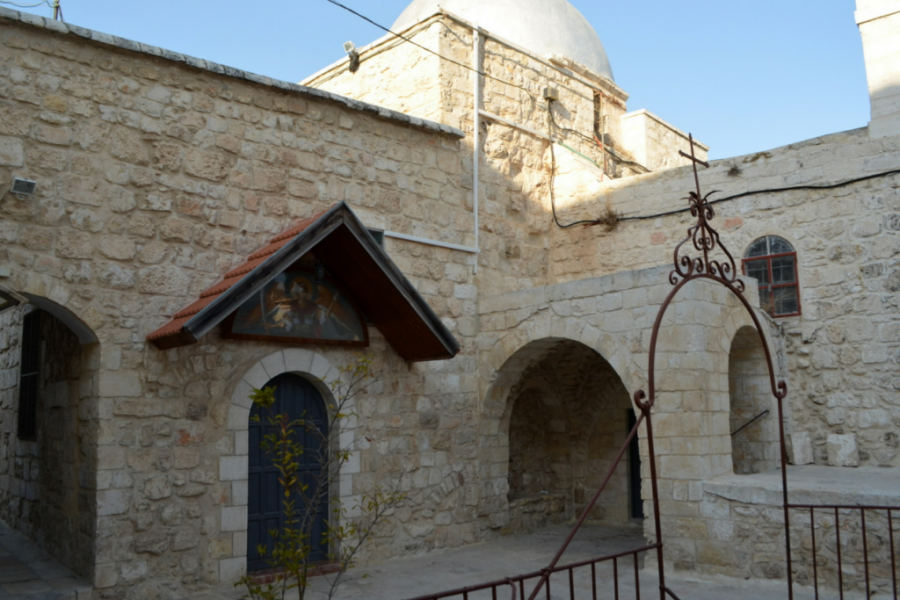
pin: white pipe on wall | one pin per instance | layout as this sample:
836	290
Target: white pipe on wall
430	242
476	121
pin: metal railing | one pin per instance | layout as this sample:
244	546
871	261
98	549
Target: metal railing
543	579
601	585
750	422
844	541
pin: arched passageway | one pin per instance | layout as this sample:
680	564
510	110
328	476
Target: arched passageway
754	446
49	363
567	417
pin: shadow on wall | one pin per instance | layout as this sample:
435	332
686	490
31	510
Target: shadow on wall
567	419
754	449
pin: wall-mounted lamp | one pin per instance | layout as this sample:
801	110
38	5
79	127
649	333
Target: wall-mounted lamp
350	49
23	188
10	299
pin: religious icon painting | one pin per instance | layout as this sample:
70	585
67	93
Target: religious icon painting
297	308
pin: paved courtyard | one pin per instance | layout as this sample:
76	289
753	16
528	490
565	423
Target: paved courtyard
509	556
26	573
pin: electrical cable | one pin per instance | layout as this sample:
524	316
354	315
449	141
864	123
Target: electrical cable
830	186
429	50
553	170
579	134
594	140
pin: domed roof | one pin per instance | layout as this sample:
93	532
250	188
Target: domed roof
545	27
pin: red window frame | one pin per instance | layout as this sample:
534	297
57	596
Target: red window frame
772	286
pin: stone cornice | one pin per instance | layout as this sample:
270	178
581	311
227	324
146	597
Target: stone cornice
7	15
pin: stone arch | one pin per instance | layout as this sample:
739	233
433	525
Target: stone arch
65	316
49	495
233	468
531	399
754	449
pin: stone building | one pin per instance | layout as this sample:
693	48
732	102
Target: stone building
171	191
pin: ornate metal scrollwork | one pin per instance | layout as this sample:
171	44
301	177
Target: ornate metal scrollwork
705	239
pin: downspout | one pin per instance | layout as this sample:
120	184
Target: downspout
477	65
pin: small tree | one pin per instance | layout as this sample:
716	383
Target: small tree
294	543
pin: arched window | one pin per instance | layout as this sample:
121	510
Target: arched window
773	262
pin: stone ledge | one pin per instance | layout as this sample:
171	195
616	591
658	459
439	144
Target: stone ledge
7	14
812	485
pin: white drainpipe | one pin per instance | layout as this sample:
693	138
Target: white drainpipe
477	64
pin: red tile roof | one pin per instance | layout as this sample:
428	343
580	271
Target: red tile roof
173	329
350	254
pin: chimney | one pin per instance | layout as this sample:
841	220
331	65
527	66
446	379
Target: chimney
879	26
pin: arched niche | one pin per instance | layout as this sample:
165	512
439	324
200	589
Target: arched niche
754	443
566	417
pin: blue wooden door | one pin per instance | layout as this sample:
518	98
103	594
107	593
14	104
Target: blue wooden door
299	399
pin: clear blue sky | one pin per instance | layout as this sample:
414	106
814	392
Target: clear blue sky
742	76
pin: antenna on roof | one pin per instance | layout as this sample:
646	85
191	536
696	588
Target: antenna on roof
57	11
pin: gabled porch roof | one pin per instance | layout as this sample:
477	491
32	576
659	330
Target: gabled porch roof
351	255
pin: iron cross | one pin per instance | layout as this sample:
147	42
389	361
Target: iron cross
696	161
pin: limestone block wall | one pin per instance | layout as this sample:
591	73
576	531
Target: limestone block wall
155	174
516	167
566	420
613	315
842	352
392	73
655	143
47	484
749	538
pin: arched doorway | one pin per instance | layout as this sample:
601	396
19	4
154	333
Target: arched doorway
570	414
299	399
754	443
49	359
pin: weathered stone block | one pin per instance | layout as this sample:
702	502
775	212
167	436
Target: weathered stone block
153	542
206	165
105	576
802	449
234	518
167	280
842	450
157	488
232	569
133	572
186	539
120	384
12	152
74	244
233	468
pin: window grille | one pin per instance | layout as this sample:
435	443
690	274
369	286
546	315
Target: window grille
773	262
29	378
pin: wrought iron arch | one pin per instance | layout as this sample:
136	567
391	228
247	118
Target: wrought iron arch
688	268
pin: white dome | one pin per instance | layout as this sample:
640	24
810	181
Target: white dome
545	27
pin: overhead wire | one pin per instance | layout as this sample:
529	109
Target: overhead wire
429	50
593	140
830	186
586	222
